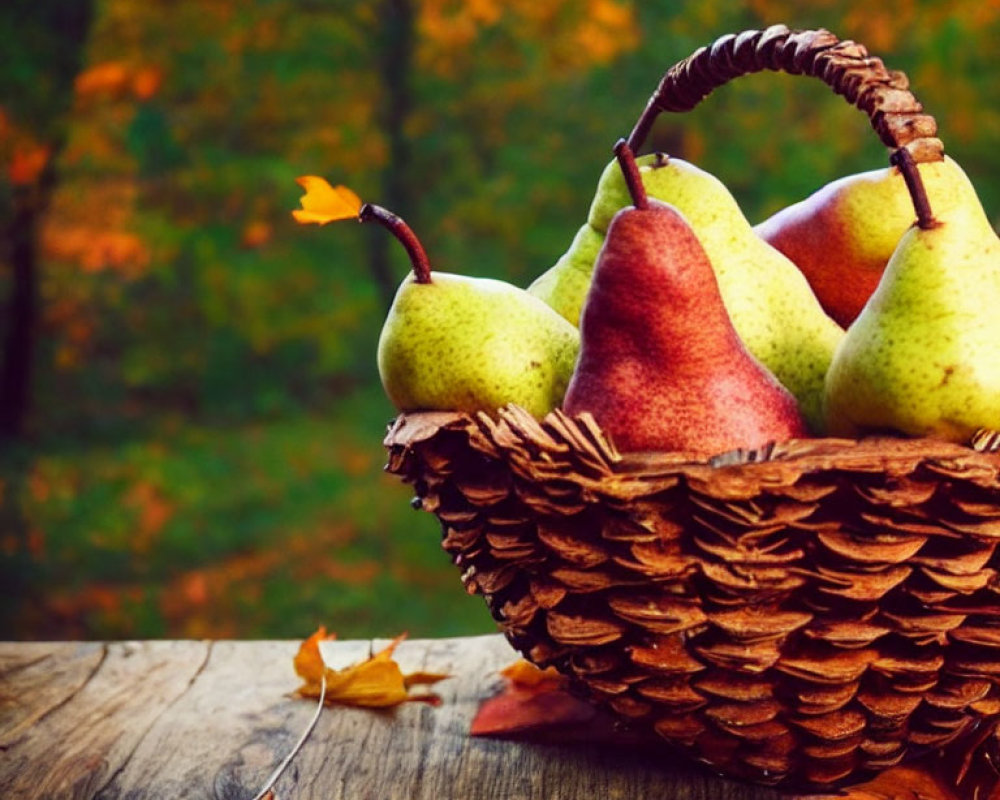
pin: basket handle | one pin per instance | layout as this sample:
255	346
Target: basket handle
845	66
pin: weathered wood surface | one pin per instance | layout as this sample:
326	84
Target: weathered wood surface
190	719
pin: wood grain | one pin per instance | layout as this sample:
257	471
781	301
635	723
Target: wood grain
212	720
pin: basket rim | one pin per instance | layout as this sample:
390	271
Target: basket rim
559	430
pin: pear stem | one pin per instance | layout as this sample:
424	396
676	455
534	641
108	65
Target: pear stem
626	160
404	235
903	160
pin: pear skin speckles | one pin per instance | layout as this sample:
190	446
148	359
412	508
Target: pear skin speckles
843	234
769	301
564	285
922	357
660	366
474	344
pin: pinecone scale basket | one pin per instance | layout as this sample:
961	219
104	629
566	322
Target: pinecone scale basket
799	615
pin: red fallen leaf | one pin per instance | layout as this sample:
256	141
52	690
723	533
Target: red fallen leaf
532	701
376	682
537	704
323	203
964	770
518	711
896	783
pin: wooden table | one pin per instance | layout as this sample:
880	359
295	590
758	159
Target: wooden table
212	719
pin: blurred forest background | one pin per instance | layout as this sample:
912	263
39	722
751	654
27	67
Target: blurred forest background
190	413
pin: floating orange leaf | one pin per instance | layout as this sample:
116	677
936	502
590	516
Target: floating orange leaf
377	682
323	203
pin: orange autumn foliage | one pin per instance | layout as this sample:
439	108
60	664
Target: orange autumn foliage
256	234
580	33
152	512
95	250
26	163
377	682
449	24
605	30
118	79
146	82
109	77
23	156
203	601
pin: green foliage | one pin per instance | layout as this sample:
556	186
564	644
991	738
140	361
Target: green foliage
38	66
263	529
205	359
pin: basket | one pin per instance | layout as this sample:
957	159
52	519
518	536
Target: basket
800	615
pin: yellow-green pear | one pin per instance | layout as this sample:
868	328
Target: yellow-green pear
923	356
564	285
842	235
458	343
769	301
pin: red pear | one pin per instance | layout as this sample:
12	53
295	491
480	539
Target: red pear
842	236
661	366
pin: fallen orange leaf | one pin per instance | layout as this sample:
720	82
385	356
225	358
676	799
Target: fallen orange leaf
323	203
377	682
523	673
309	662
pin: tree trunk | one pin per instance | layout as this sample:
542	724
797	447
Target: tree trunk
22	311
395	63
48	52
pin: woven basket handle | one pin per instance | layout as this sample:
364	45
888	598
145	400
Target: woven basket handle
845	66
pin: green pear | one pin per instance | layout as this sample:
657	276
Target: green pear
564	285
842	235
458	343
769	301
922	356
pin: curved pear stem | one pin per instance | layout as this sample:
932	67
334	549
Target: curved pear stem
845	66
633	179
903	160
404	234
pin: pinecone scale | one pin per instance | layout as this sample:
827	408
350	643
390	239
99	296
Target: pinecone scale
797	616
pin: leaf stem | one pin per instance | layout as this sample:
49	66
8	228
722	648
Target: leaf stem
273	779
404	235
633	179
